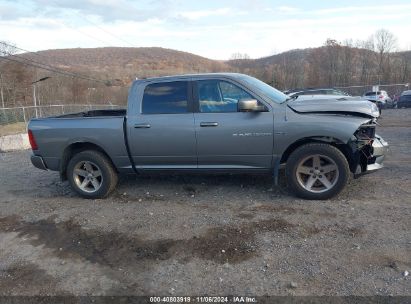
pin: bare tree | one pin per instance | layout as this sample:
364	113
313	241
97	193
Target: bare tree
347	62
385	43
291	70
239	56
405	68
332	60
6	49
365	59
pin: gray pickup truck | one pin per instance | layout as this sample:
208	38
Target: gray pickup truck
212	123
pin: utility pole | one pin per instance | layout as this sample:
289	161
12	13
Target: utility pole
34	99
1	93
34	93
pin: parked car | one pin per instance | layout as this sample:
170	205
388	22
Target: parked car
405	100
212	123
382	99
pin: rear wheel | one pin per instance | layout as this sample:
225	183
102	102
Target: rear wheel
91	174
317	171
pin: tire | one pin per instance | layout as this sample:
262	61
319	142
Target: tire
91	174
380	107
317	171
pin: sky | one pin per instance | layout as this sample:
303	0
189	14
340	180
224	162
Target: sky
214	28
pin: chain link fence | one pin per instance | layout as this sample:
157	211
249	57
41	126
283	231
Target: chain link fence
24	114
392	89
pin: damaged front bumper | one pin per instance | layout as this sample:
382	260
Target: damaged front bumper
371	159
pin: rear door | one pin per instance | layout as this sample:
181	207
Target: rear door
226	138
161	132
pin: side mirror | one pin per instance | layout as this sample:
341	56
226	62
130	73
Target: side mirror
250	105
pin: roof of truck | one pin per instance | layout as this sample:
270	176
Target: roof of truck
233	75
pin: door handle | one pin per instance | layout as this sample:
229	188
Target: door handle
208	124
142	126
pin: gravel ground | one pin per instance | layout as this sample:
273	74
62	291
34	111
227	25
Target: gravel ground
218	235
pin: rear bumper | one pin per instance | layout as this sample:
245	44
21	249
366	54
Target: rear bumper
404	104
38	162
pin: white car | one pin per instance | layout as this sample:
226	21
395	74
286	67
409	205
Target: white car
380	97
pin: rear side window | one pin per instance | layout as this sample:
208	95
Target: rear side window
165	98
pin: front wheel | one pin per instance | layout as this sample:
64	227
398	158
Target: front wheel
317	171
91	174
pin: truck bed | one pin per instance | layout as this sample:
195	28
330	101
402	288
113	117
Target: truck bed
102	128
95	113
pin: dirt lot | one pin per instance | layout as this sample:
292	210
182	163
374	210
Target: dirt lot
218	235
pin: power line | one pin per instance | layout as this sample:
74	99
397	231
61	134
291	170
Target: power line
97	26
51	70
28	52
88	35
54	70
48	67
107	32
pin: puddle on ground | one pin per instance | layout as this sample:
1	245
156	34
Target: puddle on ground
70	240
27	279
224	244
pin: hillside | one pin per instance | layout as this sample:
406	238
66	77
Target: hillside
127	63
117	66
330	65
270	60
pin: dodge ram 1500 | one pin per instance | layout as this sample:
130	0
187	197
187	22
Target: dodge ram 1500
212	123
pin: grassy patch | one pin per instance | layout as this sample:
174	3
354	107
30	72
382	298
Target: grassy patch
15	128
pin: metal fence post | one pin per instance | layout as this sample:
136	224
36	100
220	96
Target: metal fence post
4	114
24	115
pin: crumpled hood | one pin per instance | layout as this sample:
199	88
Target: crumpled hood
346	105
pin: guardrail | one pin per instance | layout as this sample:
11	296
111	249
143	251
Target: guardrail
24	114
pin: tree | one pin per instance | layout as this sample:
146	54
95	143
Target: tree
239	56
6	49
332	60
365	59
347	62
385	43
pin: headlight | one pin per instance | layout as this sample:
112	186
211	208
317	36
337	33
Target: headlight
374	110
365	132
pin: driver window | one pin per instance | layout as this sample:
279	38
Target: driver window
219	96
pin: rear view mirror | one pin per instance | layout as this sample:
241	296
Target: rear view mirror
250	105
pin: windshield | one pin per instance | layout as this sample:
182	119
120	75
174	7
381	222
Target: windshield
372	93
267	90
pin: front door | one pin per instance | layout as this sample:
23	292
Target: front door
161	133
227	138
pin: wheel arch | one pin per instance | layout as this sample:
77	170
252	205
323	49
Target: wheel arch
77	147
339	144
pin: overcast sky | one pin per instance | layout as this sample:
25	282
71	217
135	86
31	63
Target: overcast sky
214	29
